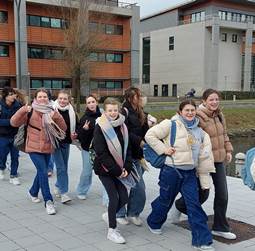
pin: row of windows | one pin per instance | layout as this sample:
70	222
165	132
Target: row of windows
108	84
224	37
106	57
3	16
45	53
109	29
197	17
48	22
50	83
4	51
236	17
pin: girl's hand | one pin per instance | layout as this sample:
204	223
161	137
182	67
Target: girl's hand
229	157
86	125
74	136
28	108
124	174
170	151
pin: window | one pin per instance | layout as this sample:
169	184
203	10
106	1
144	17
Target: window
109	57
45	53
118	29
45	21
35	53
47	84
56	54
118	58
118	84
67	84
101	84
109	29
34	21
93	85
171	43
224	37
198	17
4	82
36	83
93	26
4	51
146	60
93	56
110	85
56	84
3	16
234	38
55	23
101	57
106	57
229	16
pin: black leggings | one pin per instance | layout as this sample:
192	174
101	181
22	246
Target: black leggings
118	197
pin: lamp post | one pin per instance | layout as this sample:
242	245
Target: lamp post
17	6
28	86
225	77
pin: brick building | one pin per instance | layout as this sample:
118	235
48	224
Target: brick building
32	43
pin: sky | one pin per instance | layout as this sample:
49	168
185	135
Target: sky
151	6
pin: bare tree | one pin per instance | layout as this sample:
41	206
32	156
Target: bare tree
80	39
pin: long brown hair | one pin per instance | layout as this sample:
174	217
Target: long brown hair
130	94
208	92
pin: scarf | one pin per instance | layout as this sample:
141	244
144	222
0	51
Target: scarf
71	113
111	137
52	130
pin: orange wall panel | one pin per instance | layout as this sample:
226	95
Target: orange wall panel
7	64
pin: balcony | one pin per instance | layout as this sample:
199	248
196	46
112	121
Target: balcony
116	3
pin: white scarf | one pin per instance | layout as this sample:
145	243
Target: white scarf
71	112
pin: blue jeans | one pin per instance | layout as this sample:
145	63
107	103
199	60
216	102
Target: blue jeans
86	174
51	164
61	156
41	162
6	147
171	182
137	196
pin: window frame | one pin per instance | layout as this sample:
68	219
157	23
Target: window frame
3	19
4	46
234	38
224	37
171	43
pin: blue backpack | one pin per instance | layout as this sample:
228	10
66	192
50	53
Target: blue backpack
158	161
246	170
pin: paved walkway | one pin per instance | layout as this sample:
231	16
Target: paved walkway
78	226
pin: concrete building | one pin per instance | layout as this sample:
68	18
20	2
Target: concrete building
198	44
32	44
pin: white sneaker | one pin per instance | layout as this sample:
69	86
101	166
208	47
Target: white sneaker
122	220
135	220
65	198
115	236
155	231
105	217
226	235
15	181
56	192
34	199
1	174
175	214
81	197
50	209
205	248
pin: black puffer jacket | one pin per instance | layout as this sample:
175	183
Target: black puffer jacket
6	112
104	163
136	130
85	136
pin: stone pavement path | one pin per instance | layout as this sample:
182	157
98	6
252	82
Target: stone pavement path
79	226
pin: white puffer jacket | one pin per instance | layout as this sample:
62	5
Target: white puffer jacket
183	153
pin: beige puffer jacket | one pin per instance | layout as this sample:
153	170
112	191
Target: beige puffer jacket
214	124
183	154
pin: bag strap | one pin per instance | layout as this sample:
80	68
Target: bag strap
173	132
29	115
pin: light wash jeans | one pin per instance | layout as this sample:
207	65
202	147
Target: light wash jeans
61	156
86	178
137	196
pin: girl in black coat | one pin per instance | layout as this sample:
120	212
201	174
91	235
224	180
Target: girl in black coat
85	136
113	162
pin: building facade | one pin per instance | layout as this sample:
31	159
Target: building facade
32	44
198	44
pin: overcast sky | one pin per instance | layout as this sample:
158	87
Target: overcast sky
150	6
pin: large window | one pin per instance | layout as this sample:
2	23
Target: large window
49	22
106	84
4	82
197	17
171	43
3	16
45	53
235	17
146	60
109	29
106	57
4	51
50	83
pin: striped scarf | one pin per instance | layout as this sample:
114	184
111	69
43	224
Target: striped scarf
111	137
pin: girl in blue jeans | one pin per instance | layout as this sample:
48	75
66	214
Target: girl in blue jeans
190	154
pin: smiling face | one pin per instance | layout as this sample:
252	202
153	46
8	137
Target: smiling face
42	98
63	99
10	98
112	111
91	104
212	102
188	112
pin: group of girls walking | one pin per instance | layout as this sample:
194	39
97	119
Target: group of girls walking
117	136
